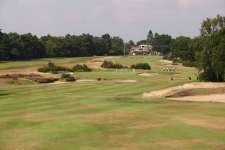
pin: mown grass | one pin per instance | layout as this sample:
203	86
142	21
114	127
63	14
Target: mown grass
108	115
40	62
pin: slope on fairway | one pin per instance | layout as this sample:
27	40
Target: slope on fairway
108	115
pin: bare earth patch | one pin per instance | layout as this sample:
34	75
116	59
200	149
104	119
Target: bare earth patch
197	92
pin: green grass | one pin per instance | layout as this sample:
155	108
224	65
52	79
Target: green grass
107	115
40	62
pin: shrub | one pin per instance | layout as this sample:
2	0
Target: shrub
81	68
65	75
144	66
68	77
109	64
44	80
189	64
51	67
44	69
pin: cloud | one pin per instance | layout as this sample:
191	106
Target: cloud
130	19
183	3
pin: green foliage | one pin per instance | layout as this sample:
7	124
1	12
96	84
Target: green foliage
27	46
68	77
144	66
181	48
81	68
141	42
117	46
111	65
51	67
189	63
161	43
212	55
150	37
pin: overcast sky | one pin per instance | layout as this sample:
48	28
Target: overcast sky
129	19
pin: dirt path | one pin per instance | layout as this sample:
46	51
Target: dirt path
197	92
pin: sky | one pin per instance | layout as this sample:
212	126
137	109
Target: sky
129	19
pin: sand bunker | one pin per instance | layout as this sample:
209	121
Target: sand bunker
202	98
147	74
197	92
125	81
168	62
86	80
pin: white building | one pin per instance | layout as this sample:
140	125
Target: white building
144	49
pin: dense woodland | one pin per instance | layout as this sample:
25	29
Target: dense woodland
27	46
207	51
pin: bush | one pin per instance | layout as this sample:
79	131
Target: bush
111	65
65	75
81	68
51	67
144	66
44	69
44	80
189	64
68	77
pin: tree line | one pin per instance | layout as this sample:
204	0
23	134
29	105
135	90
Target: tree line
14	46
206	51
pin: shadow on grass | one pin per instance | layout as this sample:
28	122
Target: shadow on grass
4	93
135	99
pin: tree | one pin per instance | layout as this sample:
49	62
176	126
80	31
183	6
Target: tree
150	37
107	43
212	57
161	43
117	46
210	26
181	48
141	42
130	44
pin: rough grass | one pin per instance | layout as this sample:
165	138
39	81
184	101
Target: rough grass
40	62
108	115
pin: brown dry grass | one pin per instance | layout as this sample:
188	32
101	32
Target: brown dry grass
19	140
109	118
211	123
36	118
148	125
